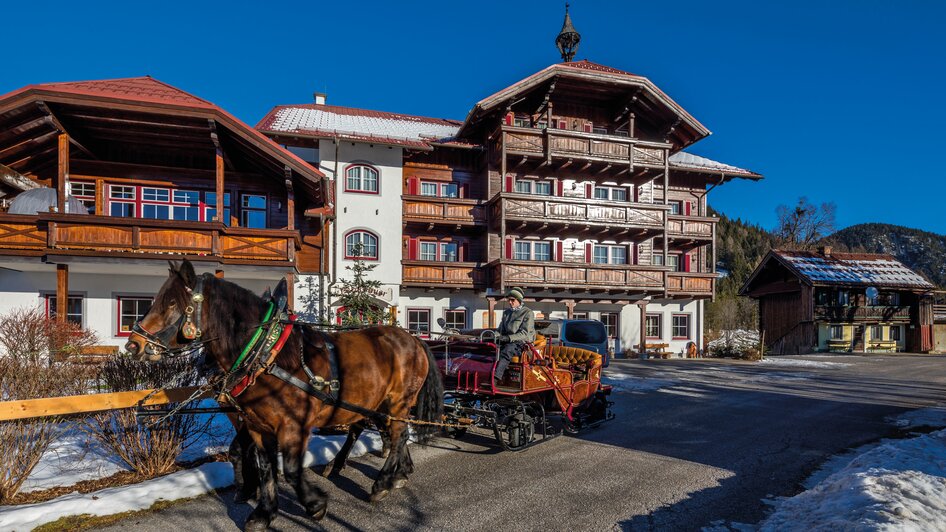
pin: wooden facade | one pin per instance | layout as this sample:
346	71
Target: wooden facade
150	162
823	302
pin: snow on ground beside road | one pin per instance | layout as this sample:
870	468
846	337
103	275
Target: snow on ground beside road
71	458
628	383
799	363
934	416
896	485
183	484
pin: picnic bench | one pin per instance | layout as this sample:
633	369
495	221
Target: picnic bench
92	354
882	345
654	350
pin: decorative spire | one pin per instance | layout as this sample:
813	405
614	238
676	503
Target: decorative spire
568	39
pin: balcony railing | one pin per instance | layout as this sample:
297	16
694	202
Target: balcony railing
80	234
566	210
430	209
431	274
575	144
691	283
579	276
858	313
690	226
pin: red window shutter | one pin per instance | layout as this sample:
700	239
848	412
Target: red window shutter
589	127
412	248
635	252
509	119
686	261
465	190
588	250
465	252
559	251
510	183
563	124
508	248
413	186
589	190
687	208
560	188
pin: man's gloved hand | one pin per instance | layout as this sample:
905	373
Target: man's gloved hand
504	338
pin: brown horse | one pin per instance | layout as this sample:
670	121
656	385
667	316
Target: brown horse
383	369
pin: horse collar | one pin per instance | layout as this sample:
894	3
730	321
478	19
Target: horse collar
191	328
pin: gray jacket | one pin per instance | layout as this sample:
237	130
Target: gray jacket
518	324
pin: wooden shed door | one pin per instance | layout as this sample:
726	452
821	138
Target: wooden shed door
858	338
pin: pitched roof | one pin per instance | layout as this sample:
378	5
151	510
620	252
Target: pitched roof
688	161
144	88
848	269
363	125
585	64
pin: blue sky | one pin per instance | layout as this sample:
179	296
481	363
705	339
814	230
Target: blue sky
838	101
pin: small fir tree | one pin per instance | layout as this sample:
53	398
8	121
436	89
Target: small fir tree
358	295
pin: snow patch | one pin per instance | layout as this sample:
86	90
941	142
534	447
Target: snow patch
628	383
923	417
799	363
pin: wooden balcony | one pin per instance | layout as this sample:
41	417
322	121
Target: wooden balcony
861	313
547	212
691	284
690	227
562	143
72	234
616	279
431	274
443	211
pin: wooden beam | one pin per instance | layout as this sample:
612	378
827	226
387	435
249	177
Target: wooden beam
62	129
62	292
62	174
220	208
81	404
215	137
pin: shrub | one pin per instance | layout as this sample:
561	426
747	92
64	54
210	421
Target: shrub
149	449
29	372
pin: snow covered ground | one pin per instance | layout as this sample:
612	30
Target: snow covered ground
800	363
890	485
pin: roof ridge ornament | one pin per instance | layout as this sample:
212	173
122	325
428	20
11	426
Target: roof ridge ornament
568	39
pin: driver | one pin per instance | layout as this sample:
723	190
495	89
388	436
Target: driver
515	329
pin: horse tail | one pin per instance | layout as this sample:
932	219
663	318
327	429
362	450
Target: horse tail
429	405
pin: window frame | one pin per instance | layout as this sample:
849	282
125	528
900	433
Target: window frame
648	325
361	179
898	329
89	200
673	326
377	242
50	296
832	336
609	254
877	329
531	244
119	299
611	327
244	210
448	311
436	189
407	320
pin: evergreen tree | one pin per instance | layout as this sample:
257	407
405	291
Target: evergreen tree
358	295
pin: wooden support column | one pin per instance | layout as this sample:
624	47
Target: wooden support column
62	292
569	308
491	313
642	344
290	201
220	207
62	175
100	197
291	292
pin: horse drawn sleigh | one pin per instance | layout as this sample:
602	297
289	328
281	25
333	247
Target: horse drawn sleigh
283	378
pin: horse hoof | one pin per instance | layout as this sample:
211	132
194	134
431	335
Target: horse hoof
318	511
255	525
400	483
379	495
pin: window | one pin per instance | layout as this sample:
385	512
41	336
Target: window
73	308
543	188
610	193
619	194
130	311
836	332
84	192
125	209
211	210
455	318
675	207
876	332
428	251
891	299
621	132
368	242
542	251
681	326
603	254
253	211
428	189
186	205
844	298
674	262
598	130
895	333
821	296
361	178
418	320
601	193
154	203
522	121
610	321
653	325
578	316
523	187
449	252
523	251
658	259
449	190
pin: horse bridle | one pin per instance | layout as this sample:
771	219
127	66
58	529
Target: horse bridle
186	326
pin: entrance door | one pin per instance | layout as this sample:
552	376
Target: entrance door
859	338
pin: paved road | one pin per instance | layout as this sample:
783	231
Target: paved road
715	440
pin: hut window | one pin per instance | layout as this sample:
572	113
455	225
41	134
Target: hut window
131	310
895	333
876	332
681	326
653	325
253	211
836	332
73	308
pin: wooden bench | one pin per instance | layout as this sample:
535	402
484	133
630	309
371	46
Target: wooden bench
882	345
92	354
654	350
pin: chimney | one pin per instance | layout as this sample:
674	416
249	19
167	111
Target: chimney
319	98
826	251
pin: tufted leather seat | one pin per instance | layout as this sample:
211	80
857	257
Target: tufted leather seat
574	355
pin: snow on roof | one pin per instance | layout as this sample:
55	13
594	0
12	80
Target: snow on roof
358	124
857	269
688	161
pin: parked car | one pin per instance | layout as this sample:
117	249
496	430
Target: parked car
586	334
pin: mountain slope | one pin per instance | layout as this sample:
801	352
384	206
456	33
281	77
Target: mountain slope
922	251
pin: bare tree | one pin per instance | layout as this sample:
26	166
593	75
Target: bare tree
802	226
